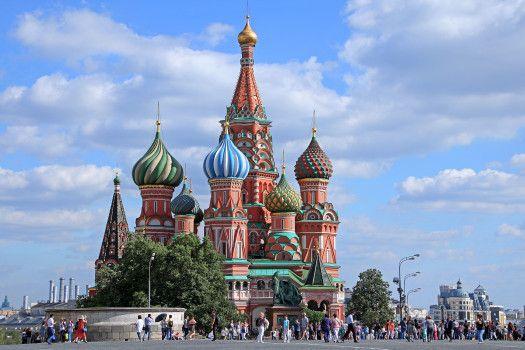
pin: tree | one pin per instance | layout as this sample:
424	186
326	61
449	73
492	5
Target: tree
187	273
371	298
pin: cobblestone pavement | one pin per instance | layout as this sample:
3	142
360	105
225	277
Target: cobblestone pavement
206	344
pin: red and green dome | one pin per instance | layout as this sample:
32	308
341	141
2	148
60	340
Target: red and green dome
283	198
313	163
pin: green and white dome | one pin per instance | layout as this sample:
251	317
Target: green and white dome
157	166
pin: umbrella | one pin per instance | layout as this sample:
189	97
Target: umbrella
160	317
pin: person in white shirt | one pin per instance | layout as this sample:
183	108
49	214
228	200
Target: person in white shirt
351	327
261	323
50	329
139	325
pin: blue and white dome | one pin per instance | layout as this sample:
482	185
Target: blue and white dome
226	160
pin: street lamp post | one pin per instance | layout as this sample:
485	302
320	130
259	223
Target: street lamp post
399	289
149	279
410	292
413	274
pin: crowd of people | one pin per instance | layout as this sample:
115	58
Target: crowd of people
297	328
57	332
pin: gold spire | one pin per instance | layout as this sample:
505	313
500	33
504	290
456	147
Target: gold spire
247	36
190	186
314	125
226	125
158	117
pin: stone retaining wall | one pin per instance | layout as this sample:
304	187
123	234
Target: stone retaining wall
118	323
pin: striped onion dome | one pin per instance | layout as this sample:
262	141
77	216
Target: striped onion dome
226	160
313	163
185	203
157	166
283	198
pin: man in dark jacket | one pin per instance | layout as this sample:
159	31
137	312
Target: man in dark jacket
325	327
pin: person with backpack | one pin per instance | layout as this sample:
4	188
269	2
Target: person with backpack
169	331
325	328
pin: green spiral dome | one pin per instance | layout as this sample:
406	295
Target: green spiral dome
157	166
283	198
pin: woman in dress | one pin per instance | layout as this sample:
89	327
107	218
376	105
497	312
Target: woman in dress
80	333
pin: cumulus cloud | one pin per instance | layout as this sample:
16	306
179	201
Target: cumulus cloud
54	184
464	190
509	230
215	33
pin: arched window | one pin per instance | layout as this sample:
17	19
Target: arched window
245	285
260	285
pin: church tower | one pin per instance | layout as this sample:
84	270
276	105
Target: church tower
225	221
250	131
116	232
157	173
318	222
186	210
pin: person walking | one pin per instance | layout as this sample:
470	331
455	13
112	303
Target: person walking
163	327
148	321
262	324
325	328
169	331
430	329
214	324
286	329
70	328
304	327
350	327
43	330
410	329
402	328
50	330
81	329
192	324
139	327
480	328
336	326
449	326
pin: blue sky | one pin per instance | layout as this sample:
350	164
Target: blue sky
421	107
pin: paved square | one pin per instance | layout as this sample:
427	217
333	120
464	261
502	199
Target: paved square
298	345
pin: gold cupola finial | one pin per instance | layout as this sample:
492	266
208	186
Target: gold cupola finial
158	117
247	36
314	125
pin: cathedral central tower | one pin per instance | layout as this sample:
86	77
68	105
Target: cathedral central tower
250	131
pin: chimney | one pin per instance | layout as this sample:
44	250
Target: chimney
51	285
70	295
54	296
61	290
65	299
76	291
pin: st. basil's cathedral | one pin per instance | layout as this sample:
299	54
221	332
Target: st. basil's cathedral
279	245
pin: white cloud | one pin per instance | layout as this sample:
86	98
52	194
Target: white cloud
464	189
32	140
397	85
518	160
510	231
215	33
55	184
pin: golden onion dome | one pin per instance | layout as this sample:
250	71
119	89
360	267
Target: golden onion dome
247	35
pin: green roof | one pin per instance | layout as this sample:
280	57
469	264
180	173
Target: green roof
267	262
236	261
317	275
235	278
271	272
